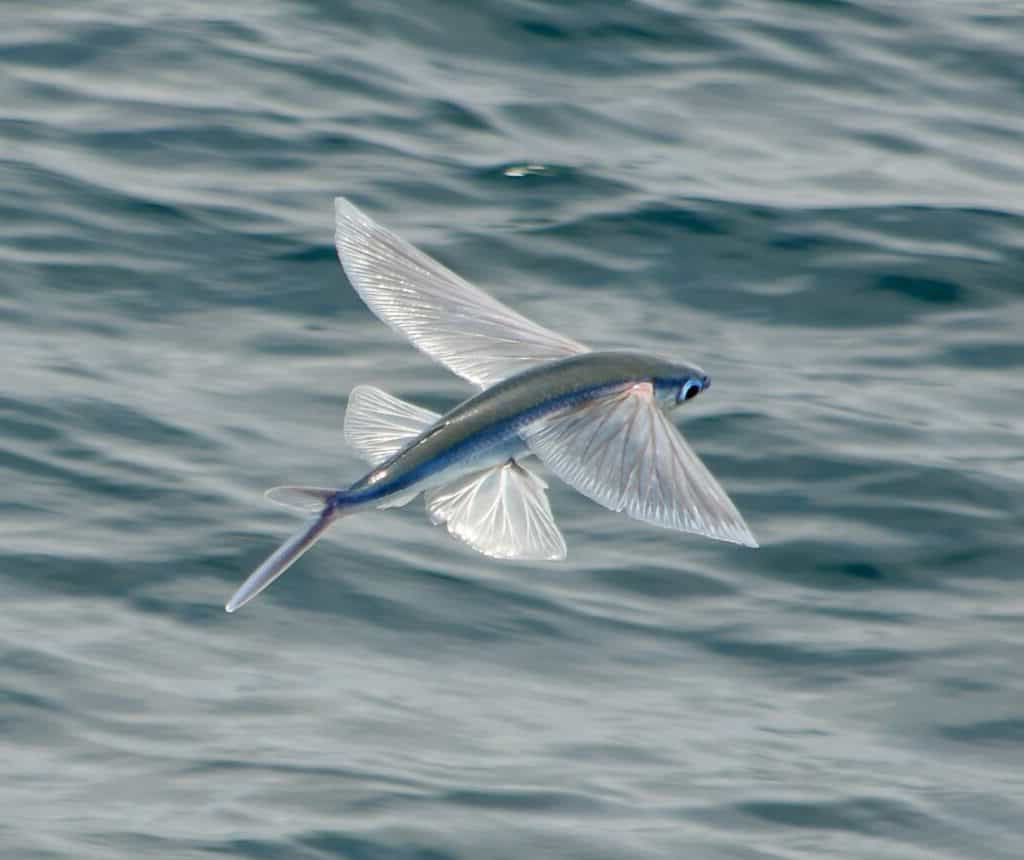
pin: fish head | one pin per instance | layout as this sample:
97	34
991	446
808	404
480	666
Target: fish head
680	383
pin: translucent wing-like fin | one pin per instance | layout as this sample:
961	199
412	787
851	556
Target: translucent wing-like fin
452	321
502	512
303	499
624	453
378	425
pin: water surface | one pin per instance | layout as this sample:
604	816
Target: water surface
820	203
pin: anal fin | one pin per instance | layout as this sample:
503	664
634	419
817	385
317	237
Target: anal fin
399	500
501	511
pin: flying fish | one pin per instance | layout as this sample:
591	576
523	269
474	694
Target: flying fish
597	420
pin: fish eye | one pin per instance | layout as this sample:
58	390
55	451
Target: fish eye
689	389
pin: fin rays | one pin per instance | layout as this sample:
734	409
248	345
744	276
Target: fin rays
455	323
623	452
502	512
378	425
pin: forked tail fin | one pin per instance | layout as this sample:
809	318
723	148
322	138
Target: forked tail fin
282	558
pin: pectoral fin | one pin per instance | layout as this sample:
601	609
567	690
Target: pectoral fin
623	452
453	322
502	512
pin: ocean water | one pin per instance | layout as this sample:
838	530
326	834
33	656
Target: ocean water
821	203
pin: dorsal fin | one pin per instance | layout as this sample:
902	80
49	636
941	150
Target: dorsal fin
378	425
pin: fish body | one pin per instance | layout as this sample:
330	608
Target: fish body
597	420
484	429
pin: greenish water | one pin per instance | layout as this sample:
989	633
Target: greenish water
819	203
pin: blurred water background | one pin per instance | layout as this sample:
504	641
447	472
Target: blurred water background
822	203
